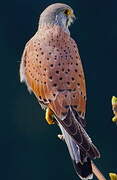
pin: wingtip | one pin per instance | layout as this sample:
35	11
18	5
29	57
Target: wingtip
90	176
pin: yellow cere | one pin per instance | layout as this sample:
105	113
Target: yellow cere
113	176
114	100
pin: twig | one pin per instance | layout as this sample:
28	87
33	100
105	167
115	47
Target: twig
97	172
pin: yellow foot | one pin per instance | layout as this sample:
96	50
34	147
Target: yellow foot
49	116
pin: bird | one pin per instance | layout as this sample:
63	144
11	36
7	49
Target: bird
52	69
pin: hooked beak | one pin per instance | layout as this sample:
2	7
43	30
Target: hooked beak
71	19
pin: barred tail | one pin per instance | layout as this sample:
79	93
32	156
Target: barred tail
83	169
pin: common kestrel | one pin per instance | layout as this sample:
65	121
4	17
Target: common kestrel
51	68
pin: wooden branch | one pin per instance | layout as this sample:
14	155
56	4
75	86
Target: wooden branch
97	172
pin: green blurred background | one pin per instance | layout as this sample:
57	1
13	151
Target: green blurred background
29	148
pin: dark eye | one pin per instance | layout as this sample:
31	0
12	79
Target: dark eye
66	12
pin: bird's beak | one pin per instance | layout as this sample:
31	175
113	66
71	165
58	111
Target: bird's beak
73	17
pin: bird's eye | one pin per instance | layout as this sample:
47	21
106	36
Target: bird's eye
67	12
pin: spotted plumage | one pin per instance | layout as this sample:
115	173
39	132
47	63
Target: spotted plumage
52	69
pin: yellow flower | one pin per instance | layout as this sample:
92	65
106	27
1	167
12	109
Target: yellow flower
113	176
114	100
114	119
114	108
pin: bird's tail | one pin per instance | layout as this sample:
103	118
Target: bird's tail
83	169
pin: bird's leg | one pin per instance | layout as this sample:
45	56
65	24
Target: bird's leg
49	116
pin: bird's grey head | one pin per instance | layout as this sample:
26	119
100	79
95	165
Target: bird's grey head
58	14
